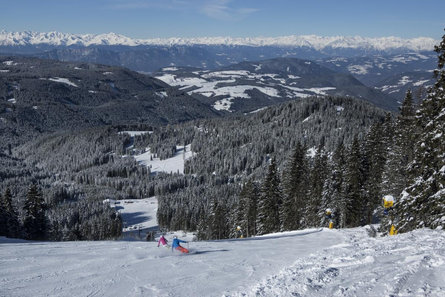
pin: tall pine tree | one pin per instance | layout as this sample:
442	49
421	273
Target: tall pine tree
333	196
374	164
422	204
11	217
270	202
35	221
248	208
318	176
350	214
295	189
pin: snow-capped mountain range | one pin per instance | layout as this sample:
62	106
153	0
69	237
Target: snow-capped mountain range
309	41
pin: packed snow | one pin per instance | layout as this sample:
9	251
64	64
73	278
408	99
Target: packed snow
313	262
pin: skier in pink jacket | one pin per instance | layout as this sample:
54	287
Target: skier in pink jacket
163	241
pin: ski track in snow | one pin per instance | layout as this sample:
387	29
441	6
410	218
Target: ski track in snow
312	262
121	268
302	263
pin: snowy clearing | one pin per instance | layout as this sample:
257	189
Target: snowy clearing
63	81
137	214
135	133
171	165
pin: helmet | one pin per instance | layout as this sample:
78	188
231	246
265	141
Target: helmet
175	236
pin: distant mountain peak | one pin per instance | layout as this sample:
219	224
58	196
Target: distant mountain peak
310	41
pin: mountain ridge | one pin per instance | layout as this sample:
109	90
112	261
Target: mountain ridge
54	38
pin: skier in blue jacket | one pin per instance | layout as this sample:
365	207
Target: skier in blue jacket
177	246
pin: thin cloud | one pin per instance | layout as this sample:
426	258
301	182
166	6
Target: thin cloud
215	9
221	10
146	4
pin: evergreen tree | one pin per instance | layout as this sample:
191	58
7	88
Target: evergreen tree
333	196
3	226
11	218
35	221
350	215
401	151
317	180
219	221
270	202
247	211
422	204
295	188
375	156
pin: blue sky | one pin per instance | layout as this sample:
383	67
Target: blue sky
235	18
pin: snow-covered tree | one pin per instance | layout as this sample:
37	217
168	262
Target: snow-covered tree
317	179
351	212
35	222
333	196
11	217
270	202
295	189
248	208
422	203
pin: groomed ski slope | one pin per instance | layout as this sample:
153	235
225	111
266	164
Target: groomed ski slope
301	263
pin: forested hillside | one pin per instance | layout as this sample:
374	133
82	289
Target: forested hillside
75	170
39	96
279	168
232	152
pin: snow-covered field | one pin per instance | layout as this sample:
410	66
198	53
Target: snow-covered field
313	262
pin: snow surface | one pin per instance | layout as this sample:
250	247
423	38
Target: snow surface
135	133
359	69
339	108
137	214
63	80
301	263
421	82
171	165
311	152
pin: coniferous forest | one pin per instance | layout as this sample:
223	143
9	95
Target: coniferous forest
276	169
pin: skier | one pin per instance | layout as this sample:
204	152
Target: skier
163	241
177	246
